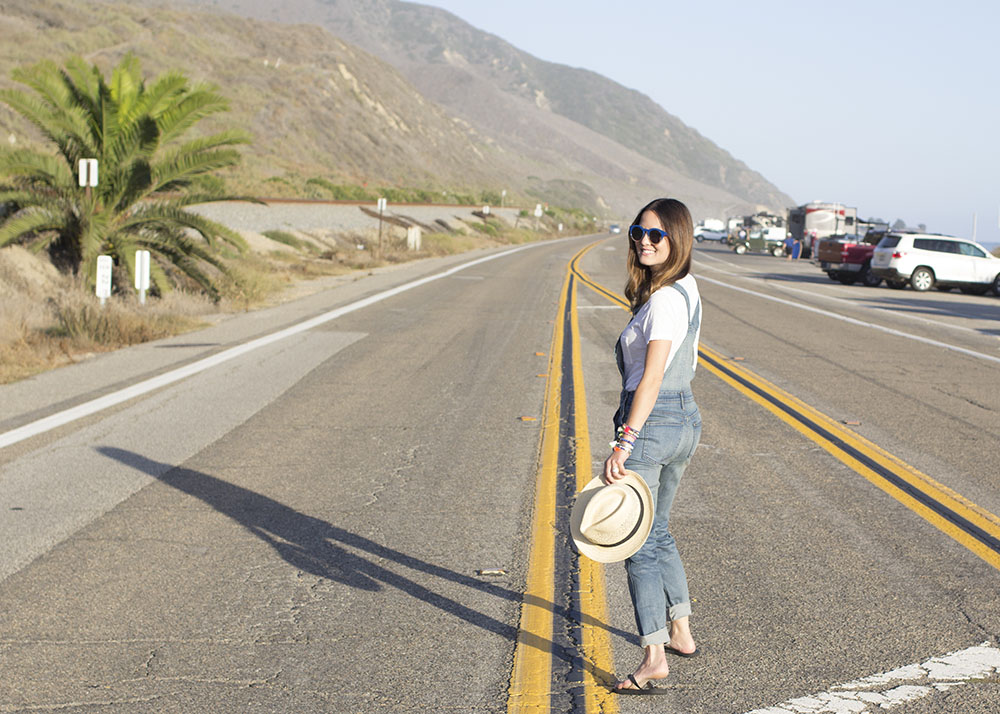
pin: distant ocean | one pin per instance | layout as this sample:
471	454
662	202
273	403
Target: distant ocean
991	247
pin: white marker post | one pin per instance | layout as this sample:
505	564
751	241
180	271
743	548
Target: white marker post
87	175
142	274
381	210
88	172
538	214
486	210
103	289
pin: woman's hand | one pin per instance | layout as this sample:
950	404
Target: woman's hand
614	466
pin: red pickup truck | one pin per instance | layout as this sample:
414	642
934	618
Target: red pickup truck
848	258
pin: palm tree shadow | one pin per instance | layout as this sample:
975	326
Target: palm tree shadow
317	547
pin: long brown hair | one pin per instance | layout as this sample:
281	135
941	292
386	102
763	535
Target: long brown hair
644	280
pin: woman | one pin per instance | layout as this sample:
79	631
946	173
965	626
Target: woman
658	424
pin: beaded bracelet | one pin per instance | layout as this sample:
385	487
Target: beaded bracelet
621	446
627	437
626	430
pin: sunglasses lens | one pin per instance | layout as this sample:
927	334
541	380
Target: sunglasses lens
655	234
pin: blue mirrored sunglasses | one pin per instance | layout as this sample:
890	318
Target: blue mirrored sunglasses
636	233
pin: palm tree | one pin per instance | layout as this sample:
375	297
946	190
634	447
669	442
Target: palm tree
149	173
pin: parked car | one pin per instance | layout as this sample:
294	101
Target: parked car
701	234
614	229
769	240
847	258
927	260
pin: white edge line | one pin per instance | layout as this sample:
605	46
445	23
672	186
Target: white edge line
62	418
848	303
875	308
854	321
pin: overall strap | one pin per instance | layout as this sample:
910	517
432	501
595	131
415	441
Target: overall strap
692	319
677	378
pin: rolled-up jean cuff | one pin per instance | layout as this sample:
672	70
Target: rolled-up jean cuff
660	637
681	609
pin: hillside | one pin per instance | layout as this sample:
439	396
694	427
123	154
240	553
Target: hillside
319	107
521	99
314	104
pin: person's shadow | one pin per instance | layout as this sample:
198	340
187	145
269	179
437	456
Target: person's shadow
315	546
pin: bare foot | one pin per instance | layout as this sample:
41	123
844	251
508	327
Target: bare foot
681	640
654	666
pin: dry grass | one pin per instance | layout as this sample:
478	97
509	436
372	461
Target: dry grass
73	325
439	244
49	320
118	323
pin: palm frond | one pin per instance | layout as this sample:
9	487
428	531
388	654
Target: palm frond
187	256
94	236
65	127
86	80
178	172
126	84
157	275
162	93
132	182
181	116
25	225
34	168
157	214
46	79
124	246
85	85
62	101
136	131
24	198
139	138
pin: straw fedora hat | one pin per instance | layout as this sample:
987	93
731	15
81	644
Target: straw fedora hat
611	522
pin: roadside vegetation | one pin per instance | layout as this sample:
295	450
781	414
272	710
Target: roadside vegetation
151	168
148	172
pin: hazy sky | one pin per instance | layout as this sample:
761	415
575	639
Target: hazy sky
891	107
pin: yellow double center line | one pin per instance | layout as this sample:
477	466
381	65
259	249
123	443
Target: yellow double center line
531	683
971	525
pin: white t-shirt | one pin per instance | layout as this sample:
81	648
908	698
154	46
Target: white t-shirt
665	316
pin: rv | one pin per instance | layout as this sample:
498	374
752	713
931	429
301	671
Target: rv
817	220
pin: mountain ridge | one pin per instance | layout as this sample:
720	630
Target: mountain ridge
452	62
322	107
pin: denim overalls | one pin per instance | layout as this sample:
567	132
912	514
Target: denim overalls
666	443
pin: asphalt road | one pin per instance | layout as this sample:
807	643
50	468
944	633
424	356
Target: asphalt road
805	574
300	528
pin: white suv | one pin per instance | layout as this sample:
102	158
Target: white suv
926	260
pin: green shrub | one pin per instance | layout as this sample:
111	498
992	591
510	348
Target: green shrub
288	239
340	191
487	228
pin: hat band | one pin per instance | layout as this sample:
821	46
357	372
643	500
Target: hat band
635	529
